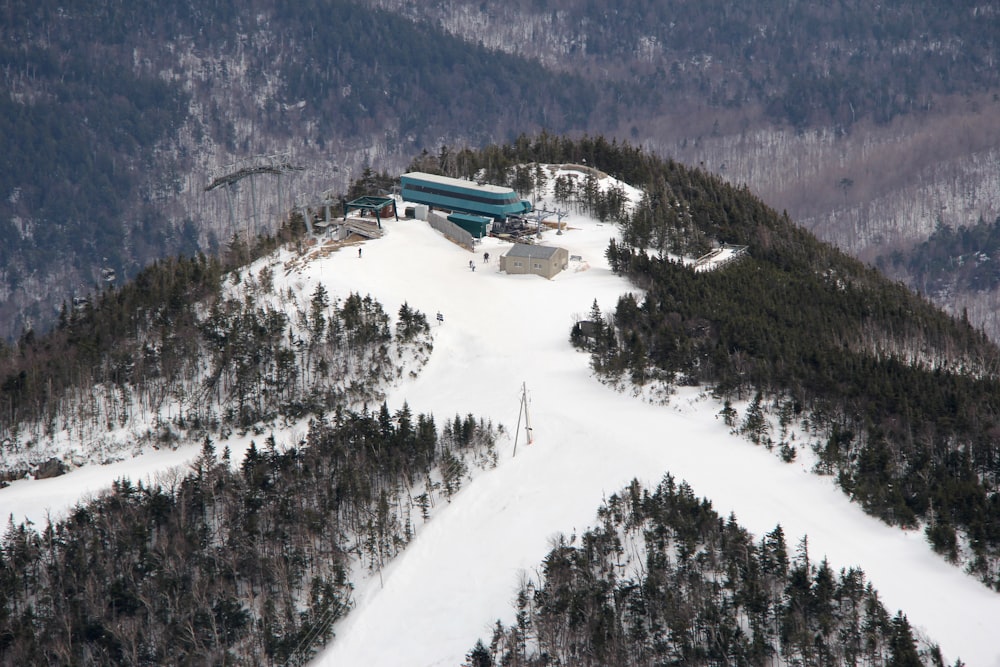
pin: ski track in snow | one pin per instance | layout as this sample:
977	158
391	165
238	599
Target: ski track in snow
460	573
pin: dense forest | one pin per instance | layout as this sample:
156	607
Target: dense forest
966	259
801	63
231	564
664	580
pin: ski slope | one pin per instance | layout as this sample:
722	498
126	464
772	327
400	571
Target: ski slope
461	571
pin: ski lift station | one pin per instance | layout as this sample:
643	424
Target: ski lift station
460	196
472	211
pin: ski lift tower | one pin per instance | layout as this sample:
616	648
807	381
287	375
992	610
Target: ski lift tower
304	204
539	216
251	167
560	215
323	201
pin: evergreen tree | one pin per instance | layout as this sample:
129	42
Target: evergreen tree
754	422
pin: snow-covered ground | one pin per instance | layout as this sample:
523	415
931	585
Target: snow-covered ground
461	571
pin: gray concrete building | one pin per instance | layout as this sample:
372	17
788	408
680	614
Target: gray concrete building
540	260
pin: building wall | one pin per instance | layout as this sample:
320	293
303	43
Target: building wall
458	195
558	262
546	267
451	230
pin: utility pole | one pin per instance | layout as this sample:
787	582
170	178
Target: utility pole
527	422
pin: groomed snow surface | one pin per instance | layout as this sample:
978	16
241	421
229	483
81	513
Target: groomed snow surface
461	571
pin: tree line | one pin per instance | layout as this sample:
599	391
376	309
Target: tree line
229	562
200	346
662	579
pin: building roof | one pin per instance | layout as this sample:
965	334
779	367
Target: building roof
370	202
468	217
455	182
528	250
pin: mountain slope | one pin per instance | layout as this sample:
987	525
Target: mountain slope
869	121
500	331
461	572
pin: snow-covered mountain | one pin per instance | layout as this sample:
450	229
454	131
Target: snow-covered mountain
500	333
873	123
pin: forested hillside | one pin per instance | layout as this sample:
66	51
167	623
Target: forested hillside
248	562
663	579
116	117
195	348
224	565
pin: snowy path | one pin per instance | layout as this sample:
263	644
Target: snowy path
460	573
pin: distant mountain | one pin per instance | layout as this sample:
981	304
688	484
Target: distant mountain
116	117
798	63
869	122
